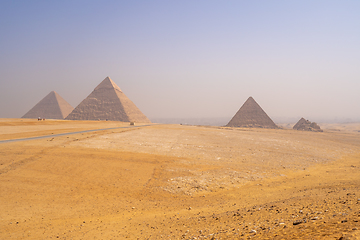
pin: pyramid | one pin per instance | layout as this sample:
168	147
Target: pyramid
107	102
306	125
251	115
53	106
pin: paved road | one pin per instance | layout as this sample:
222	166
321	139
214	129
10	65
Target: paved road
69	133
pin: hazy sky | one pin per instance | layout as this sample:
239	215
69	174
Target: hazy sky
185	59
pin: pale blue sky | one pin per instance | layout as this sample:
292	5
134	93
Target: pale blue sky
185	59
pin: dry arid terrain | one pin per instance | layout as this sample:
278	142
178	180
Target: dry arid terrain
162	181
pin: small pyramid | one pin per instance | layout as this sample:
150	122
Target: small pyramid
53	106
108	102
251	115
306	125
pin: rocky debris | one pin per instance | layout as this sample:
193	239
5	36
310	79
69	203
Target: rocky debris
306	125
208	181
253	231
316	217
297	222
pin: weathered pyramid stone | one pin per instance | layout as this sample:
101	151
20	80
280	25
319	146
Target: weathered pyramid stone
251	115
306	125
107	102
53	106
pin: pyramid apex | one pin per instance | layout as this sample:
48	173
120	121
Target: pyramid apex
107	83
251	99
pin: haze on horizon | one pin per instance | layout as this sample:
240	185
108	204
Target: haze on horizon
186	59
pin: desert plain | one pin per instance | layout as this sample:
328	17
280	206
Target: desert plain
168	181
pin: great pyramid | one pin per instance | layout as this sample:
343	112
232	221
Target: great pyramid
251	115
108	102
306	125
53	106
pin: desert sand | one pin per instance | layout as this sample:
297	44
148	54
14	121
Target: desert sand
162	181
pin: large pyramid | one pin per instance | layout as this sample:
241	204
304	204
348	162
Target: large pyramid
251	115
107	102
53	106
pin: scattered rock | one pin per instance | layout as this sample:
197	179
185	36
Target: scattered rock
297	222
344	237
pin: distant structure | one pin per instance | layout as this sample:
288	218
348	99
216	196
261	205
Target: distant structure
108	102
53	106
251	115
306	125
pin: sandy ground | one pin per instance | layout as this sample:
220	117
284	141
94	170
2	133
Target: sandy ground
24	128
178	182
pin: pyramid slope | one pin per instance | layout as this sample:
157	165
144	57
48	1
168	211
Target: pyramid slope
306	125
251	115
300	123
107	101
52	106
64	106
